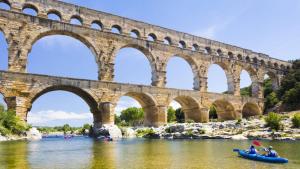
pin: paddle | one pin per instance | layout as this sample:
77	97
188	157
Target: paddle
257	143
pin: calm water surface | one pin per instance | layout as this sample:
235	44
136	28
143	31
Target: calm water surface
85	153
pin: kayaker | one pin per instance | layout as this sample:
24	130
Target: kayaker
252	150
271	152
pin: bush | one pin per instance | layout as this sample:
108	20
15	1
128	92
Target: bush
11	124
190	121
273	121
143	132
239	121
296	120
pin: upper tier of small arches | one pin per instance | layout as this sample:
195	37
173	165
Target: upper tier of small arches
67	13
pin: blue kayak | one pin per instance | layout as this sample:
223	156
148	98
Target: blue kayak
259	157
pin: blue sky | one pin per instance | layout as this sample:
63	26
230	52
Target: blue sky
269	26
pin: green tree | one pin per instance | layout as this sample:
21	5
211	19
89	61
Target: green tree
66	128
271	100
180	118
289	91
117	119
273	121
171	115
133	116
11	124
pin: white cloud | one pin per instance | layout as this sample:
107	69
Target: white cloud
175	105
125	103
45	116
209	32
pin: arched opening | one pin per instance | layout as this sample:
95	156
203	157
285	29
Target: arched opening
207	50
182	44
61	55
219	52
180	74
250	109
97	25
30	10
195	47
262	62
248	59
3	105
167	41
4	4
240	57
245	84
135	34
129	112
184	109
130	105
152	37
255	61
224	110
60	105
54	15
175	113
133	66
217	80
116	29
76	20
230	55
271	78
3	52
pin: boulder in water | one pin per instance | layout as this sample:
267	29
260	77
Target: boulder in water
107	130
33	134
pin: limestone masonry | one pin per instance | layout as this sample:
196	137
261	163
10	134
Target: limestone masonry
158	44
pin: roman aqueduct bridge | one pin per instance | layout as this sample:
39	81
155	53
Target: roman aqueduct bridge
158	44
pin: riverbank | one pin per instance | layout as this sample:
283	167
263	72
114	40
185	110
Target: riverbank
243	129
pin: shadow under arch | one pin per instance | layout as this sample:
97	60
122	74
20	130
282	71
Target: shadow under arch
225	110
71	34
88	98
144	51
191	108
148	104
250	109
193	65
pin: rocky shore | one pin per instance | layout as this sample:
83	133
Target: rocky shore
33	134
234	129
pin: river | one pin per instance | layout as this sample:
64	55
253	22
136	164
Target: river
86	153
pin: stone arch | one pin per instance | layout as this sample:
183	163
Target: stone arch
225	66
250	109
274	78
30	6
89	98
191	108
55	12
116	29
225	110
149	105
254	78
193	65
76	36
151	59
152	37
8	4
78	18
4	55
135	33
97	24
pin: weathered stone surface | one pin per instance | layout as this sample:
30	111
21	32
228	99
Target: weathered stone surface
21	90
